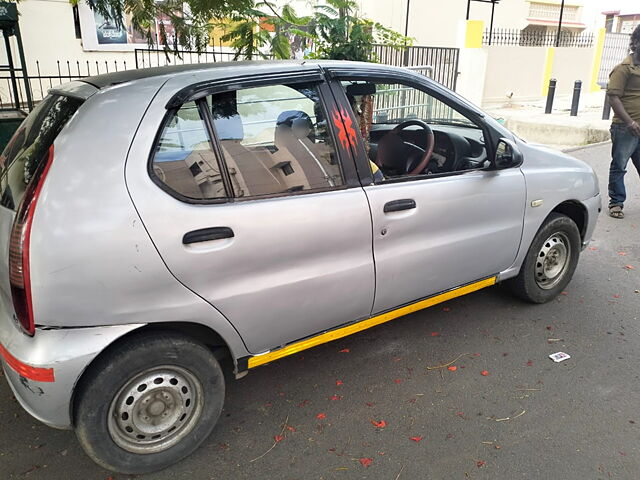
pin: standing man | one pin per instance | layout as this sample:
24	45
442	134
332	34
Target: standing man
624	95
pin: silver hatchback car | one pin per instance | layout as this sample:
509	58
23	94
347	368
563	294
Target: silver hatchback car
154	222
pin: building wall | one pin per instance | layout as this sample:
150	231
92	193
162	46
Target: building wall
432	24
527	81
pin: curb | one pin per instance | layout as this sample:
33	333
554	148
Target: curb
583	147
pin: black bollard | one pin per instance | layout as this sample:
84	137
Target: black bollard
576	98
550	94
606	111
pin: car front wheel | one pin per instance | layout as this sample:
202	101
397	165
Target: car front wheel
551	261
149	402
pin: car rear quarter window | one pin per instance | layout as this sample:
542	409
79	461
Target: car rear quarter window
29	146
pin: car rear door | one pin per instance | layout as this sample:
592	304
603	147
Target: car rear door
432	233
254	204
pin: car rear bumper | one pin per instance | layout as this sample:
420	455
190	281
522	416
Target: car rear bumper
43	370
594	207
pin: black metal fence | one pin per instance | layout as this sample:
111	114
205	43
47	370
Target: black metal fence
444	61
536	38
157	57
64	72
616	48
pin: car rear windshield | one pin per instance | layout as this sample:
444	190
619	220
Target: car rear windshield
28	147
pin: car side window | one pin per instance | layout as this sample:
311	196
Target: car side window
184	159
409	133
275	140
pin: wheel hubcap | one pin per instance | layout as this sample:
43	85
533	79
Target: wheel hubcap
552	261
155	410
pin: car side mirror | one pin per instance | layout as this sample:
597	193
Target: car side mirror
508	155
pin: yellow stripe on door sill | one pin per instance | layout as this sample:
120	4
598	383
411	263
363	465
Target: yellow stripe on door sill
258	360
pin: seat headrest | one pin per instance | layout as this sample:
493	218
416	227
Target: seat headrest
229	128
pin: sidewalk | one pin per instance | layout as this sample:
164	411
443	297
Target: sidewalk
558	129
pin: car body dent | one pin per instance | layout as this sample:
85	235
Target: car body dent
50	402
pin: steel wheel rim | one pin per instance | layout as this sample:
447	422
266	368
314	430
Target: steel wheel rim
552	261
155	410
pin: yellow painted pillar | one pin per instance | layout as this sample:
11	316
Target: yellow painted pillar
597	60
473	37
548	68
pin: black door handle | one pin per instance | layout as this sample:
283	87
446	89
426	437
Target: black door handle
207	234
399	205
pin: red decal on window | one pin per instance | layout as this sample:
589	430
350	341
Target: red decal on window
346	132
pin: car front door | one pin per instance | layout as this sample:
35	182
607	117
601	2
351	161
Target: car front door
255	207
451	224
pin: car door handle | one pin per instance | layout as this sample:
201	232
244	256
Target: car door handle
207	234
399	205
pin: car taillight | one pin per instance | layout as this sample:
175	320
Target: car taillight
19	274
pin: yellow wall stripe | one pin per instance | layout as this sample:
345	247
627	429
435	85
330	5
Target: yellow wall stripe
473	37
548	68
365	324
597	60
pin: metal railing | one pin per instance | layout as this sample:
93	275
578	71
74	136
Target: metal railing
158	57
441	64
443	61
616	48
536	38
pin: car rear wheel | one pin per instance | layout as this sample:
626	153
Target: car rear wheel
149	402
550	262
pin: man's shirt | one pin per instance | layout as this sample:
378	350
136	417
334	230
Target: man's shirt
624	82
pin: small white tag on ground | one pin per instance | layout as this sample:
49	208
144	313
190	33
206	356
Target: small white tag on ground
559	357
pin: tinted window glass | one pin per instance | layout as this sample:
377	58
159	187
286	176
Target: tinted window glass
275	140
29	145
184	158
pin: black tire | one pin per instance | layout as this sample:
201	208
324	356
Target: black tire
183	387
532	283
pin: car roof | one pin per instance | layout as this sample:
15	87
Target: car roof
236	67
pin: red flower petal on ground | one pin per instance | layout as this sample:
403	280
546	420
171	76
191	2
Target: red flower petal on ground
435	334
278	438
549	327
416	439
564	293
629	267
345	350
304	403
616	296
452	368
477	354
290	428
366	462
593	249
484	373
397	380
460	414
480	463
446	309
380	424
339	382
369	404
320	416
529	363
622	254
336	397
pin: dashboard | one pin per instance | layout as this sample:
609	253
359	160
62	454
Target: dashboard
456	147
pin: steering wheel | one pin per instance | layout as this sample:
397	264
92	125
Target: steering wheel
404	158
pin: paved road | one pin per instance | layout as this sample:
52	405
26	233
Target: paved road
528	419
